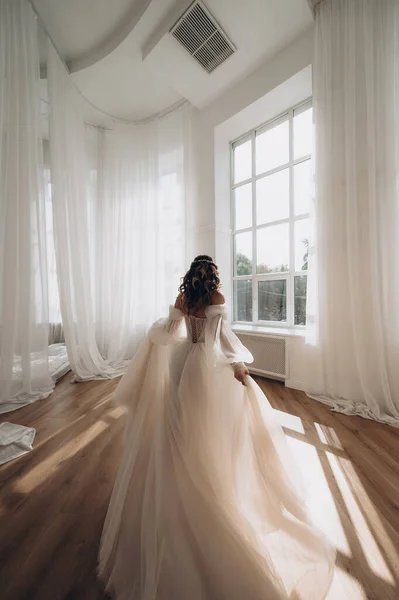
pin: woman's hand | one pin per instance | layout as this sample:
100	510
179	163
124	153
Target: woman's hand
240	373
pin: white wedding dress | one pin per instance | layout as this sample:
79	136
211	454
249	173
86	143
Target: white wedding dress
206	504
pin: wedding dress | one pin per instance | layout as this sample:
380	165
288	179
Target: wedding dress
207	503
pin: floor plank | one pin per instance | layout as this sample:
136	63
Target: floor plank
53	500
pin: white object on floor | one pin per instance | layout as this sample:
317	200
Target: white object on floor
58	361
15	440
58	365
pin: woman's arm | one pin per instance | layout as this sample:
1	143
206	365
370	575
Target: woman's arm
175	317
240	369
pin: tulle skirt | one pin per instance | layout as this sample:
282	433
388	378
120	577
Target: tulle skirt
207	504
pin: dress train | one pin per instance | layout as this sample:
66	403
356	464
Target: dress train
207	504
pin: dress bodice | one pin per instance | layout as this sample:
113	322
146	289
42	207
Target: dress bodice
195	328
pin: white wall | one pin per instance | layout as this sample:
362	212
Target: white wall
291	92
279	84
206	225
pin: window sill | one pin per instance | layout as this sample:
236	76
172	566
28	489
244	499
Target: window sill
267	330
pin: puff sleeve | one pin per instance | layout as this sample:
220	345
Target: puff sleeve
222	344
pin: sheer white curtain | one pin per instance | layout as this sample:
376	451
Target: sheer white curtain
353	295
24	372
119	213
55	319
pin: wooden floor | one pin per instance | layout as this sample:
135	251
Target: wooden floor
53	500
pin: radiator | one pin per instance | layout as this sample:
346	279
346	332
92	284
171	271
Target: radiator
269	354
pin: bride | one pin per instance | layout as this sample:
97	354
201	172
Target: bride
207	503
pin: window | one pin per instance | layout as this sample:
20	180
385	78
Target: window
271	186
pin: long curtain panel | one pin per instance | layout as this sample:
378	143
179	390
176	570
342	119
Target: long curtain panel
353	293
24	372
119	226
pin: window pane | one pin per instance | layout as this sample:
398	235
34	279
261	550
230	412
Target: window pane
272	148
300	299
273	249
243	294
242	161
273	197
303	132
243	206
302	187
243	252
301	244
272	300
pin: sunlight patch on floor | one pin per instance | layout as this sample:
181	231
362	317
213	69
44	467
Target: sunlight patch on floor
326	517
370	512
306	458
328	436
116	412
345	587
366	538
289	421
320	500
46	468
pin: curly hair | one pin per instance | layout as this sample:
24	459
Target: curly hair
199	283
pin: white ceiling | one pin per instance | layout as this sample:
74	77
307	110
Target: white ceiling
138	74
258	29
84	31
121	84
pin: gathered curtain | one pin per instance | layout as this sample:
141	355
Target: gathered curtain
24	371
119	225
353	290
96	230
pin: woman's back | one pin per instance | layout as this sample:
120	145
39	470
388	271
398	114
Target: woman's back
195	328
200	313
196	319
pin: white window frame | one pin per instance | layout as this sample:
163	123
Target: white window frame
288	276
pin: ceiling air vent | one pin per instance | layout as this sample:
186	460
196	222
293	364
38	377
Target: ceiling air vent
198	32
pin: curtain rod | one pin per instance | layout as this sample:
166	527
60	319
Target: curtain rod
85	122
159	115
154	117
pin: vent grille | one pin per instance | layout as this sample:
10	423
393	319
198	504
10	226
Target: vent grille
198	32
269	354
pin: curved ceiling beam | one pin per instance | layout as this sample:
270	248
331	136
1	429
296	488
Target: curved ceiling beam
164	27
113	40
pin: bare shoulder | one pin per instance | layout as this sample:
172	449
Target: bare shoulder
217	298
179	302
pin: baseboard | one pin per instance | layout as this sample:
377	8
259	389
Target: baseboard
295	385
264	374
